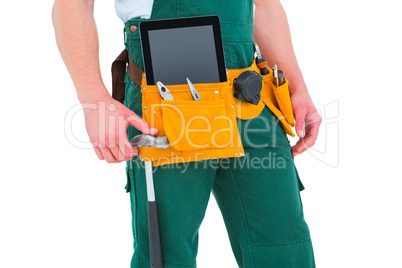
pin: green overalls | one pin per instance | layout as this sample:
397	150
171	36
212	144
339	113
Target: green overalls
258	195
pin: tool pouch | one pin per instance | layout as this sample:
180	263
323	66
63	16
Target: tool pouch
277	99
199	130
283	98
196	130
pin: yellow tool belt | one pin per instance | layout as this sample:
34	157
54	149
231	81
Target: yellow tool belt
199	130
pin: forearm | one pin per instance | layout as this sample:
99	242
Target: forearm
77	40
272	34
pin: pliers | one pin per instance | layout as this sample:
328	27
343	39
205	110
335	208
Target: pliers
165	93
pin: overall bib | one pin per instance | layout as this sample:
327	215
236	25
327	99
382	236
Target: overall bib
258	195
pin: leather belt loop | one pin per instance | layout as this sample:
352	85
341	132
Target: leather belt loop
119	68
134	72
118	73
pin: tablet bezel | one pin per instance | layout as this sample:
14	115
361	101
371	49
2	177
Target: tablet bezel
150	25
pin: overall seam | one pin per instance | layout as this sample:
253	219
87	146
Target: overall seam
283	245
249	248
154	10
134	196
231	54
177	265
178	7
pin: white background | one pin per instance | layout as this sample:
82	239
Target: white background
61	207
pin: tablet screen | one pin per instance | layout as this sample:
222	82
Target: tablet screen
177	53
184	52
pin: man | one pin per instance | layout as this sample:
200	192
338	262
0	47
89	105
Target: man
261	206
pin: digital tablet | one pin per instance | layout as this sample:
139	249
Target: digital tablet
174	49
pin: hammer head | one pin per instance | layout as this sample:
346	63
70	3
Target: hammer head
144	140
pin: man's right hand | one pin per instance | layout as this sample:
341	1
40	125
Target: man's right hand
106	121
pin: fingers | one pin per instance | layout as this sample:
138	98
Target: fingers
125	147
297	148
119	155
107	145
111	144
98	153
120	150
308	141
115	151
109	157
300	117
114	132
141	125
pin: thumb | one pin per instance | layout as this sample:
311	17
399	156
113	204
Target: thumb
300	124
141	125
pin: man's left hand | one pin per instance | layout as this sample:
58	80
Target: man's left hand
308	121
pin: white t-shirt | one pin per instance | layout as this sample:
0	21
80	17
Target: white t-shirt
128	9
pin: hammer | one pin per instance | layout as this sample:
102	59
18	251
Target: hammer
155	246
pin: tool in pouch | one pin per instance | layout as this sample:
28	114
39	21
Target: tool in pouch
248	85
165	93
251	86
279	77
281	90
194	92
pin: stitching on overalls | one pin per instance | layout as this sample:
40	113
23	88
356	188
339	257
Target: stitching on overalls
178	8
231	54
154	9
170	263
236	60
284	245
133	193
249	248
236	22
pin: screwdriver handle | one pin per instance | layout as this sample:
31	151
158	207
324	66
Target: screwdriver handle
262	65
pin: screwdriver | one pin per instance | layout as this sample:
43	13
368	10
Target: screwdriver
261	61
276	78
281	76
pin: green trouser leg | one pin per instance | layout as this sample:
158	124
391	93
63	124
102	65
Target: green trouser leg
258	194
182	193
262	210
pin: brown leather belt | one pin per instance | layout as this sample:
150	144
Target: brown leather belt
120	65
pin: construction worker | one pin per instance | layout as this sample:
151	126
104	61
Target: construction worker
260	204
